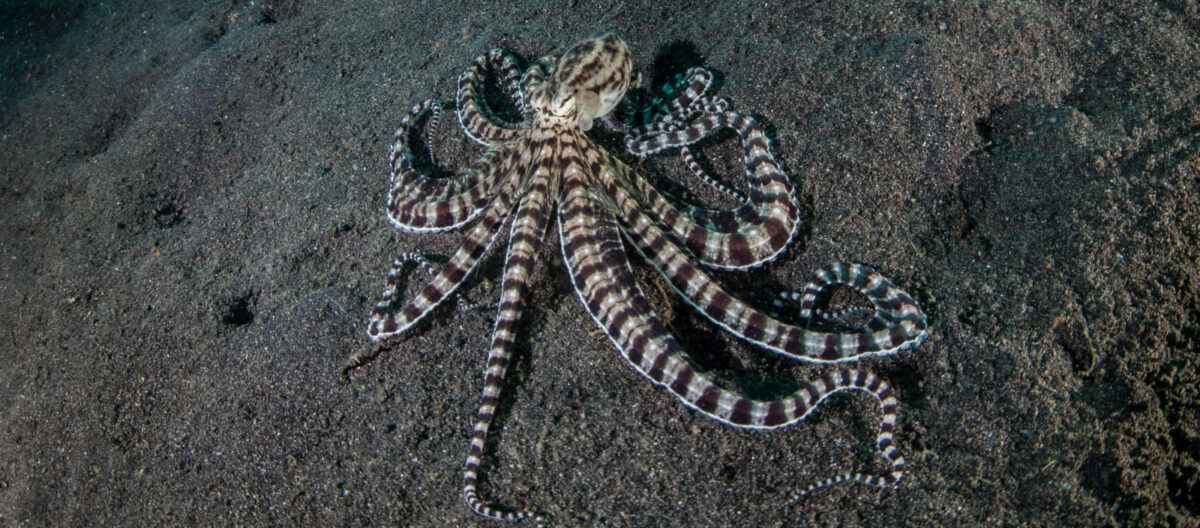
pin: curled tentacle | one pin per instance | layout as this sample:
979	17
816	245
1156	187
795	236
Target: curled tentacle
422	202
534	77
898	324
689	161
662	113
692	101
604	281
386	320
746	236
476	119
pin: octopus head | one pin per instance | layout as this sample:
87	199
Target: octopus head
589	80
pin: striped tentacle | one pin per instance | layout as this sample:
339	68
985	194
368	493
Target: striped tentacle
676	105
747	236
601	275
509	78
689	160
435	117
525	236
409	183
684	109
535	76
689	103
420	202
386	321
476	119
673	115
898	324
405	179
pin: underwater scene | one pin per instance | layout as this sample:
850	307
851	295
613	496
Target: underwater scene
620	264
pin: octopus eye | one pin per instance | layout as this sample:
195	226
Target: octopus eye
564	102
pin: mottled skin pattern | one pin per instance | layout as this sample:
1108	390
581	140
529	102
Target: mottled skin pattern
546	164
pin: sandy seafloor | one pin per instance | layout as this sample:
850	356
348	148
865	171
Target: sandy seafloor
192	235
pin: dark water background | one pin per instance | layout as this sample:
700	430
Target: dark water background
191	237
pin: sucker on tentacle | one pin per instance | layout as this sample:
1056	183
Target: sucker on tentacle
546	165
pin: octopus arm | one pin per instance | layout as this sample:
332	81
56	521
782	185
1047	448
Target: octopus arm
478	120
898	324
386	320
525	236
601	275
424	203
746	236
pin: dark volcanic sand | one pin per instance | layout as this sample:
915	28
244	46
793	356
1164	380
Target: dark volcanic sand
192	236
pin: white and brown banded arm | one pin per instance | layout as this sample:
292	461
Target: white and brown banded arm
898	323
406	179
386	320
739	238
604	281
534	77
525	236
423	202
478	121
745	236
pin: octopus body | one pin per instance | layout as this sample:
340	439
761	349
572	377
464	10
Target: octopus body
547	167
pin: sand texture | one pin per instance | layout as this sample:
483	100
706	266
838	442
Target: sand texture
192	236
